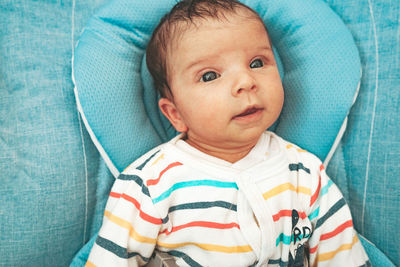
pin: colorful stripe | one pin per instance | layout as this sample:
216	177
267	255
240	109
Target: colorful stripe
314	249
367	264
90	264
117	249
325	189
289	146
146	161
298	166
330	255
181	185
286	239
137	180
278	261
125	224
287	213
321	167
200	205
184	257
136	203
204	224
155	181
204	205
335	208
158	159
314	214
208	247
285	187
337	231
314	197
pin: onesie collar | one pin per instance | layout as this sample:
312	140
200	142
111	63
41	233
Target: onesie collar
266	148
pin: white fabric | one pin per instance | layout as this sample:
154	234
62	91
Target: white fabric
206	211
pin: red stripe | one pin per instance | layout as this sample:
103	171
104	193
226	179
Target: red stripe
321	168
202	224
316	194
155	181
287	213
314	249
143	215
337	231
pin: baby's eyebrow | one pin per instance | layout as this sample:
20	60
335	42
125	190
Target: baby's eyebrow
267	47
195	63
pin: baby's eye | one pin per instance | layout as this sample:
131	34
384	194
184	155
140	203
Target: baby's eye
257	63
209	76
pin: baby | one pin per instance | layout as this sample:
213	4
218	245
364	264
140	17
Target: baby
225	192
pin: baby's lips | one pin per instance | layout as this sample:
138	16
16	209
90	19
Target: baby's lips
249	111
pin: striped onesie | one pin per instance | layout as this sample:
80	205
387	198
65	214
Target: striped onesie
274	207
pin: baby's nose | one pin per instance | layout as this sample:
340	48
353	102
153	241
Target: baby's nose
244	82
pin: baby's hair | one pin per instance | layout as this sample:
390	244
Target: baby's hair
170	26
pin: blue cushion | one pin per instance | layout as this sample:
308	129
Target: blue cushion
366	163
321	73
116	99
52	199
49	168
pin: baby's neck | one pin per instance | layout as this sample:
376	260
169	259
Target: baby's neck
230	154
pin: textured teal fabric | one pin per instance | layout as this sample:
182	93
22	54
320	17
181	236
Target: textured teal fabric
50	172
366	163
54	182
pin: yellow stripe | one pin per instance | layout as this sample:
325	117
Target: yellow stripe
89	264
125	224
289	146
158	159
329	255
284	187
208	247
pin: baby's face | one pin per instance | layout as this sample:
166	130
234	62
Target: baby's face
225	82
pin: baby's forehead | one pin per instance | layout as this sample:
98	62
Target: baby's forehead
179	29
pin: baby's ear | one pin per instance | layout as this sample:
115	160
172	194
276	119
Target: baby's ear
170	111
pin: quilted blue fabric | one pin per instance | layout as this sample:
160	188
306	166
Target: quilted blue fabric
53	180
120	106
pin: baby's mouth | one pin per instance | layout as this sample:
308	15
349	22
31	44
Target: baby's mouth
248	112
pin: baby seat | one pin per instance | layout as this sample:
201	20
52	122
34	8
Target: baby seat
317	57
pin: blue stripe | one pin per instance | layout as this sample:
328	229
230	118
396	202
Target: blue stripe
314	214
325	189
146	161
137	180
181	185
286	239
117	250
200	205
297	167
335	208
367	264
204	205
184	257
280	262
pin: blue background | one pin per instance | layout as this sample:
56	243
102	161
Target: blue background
50	171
